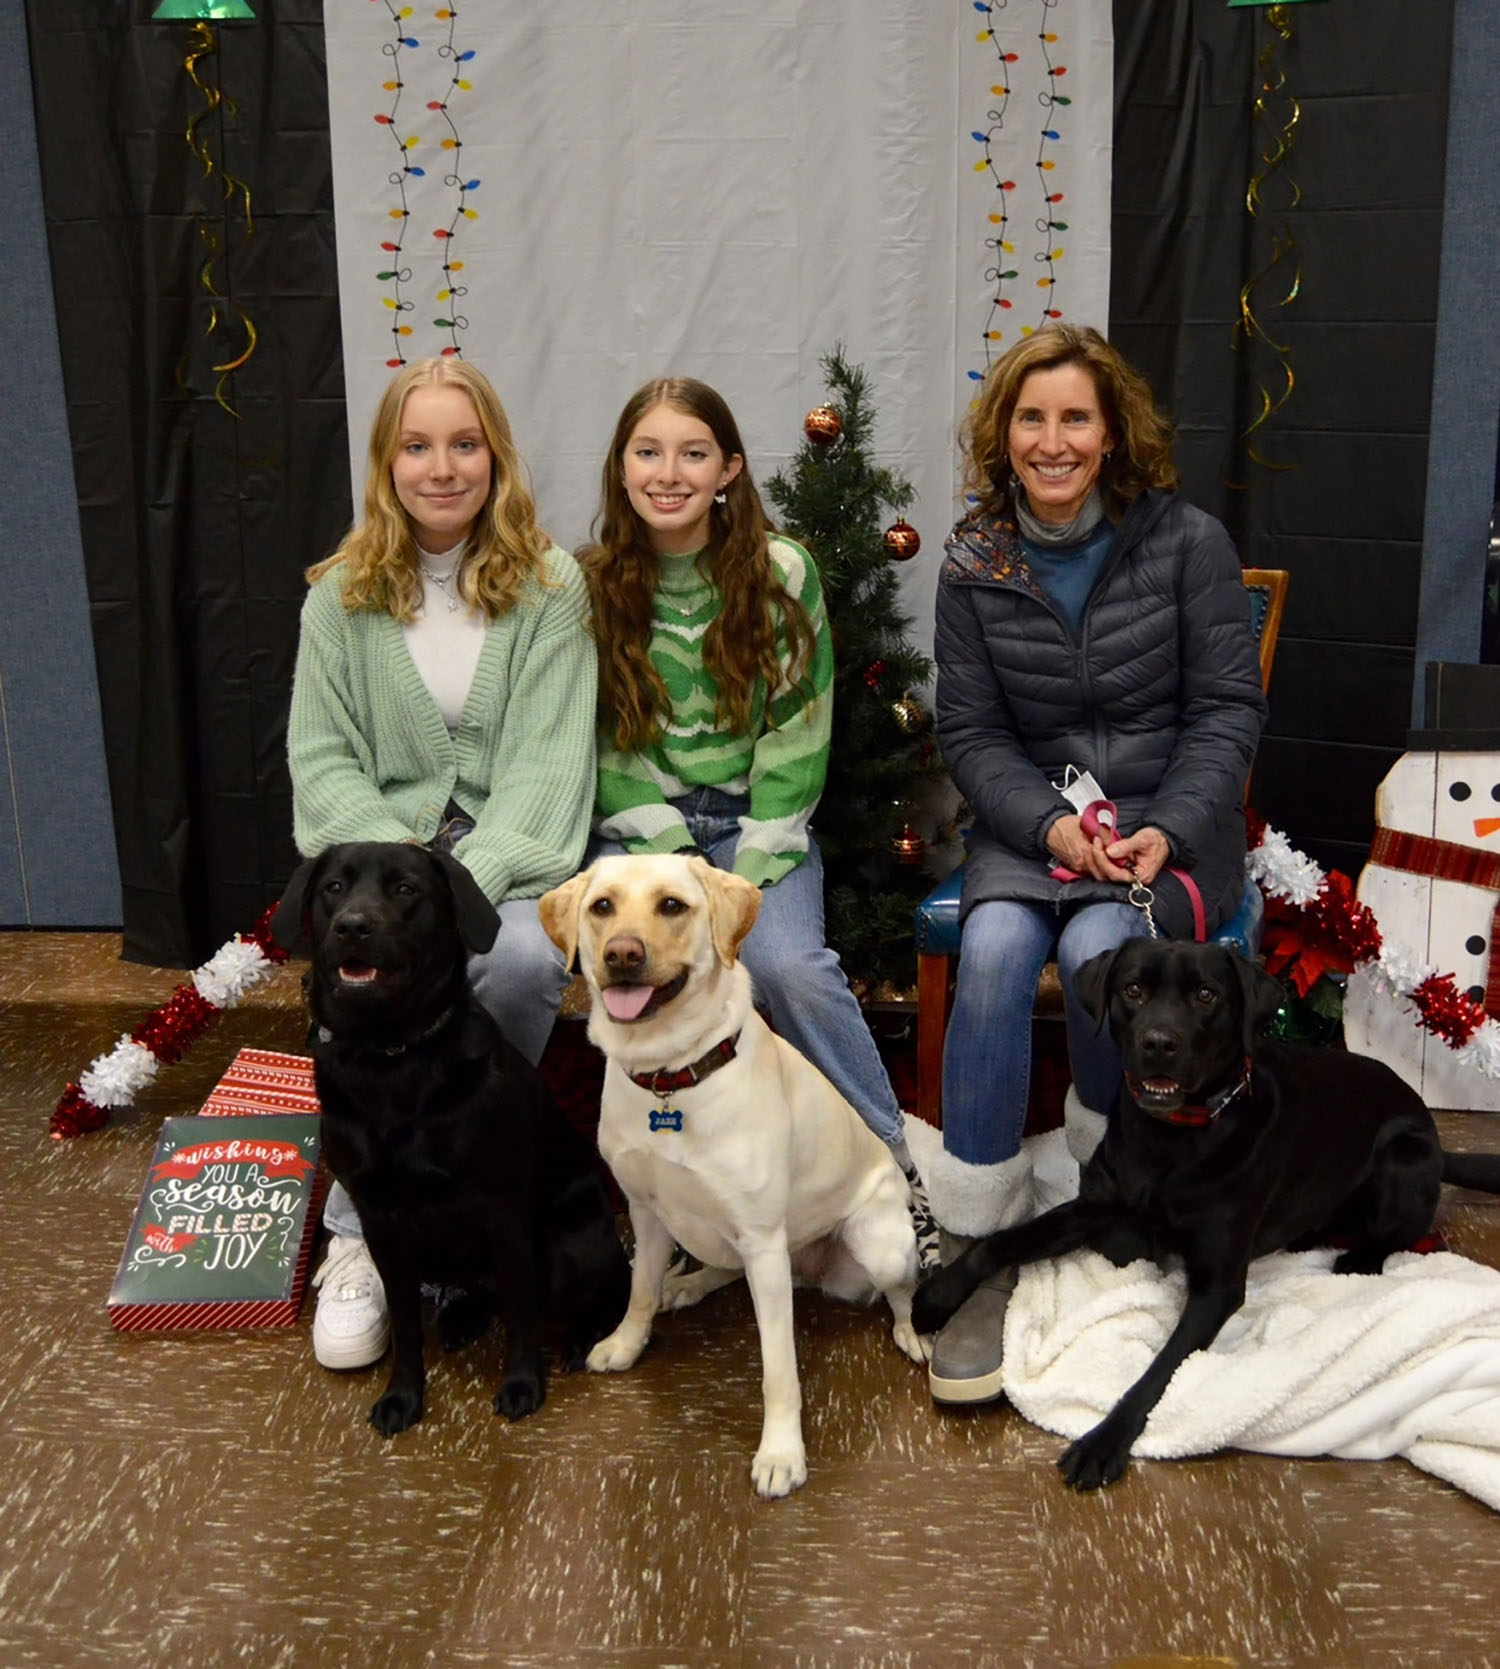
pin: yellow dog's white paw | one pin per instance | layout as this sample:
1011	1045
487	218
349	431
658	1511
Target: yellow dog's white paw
778	1471
619	1351
912	1342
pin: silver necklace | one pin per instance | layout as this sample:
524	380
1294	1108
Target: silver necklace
442	582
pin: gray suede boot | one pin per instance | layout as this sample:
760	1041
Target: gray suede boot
967	1355
975	1200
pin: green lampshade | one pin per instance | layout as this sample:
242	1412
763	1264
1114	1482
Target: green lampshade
201	11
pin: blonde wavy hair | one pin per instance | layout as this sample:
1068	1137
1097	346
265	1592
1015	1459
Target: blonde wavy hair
758	617
379	553
1141	455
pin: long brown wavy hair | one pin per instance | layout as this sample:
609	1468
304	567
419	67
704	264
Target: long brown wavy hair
623	571
380	552
1141	456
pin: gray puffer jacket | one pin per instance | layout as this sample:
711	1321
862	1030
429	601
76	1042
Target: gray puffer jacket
1160	698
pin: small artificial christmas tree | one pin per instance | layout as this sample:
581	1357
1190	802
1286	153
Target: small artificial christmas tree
833	500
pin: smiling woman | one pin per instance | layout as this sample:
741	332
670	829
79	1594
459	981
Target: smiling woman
675	472
442	472
1058	441
1092	630
444	696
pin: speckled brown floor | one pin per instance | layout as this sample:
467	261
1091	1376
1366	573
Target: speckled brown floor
215	1499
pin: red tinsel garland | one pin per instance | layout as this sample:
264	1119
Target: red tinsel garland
180	1021
76	1115
167	1034
1446	1011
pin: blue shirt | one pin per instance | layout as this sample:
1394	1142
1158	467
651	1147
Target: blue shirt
1067	573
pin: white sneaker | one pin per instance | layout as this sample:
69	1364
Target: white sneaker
352	1326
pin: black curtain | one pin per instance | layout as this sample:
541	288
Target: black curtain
1368	154
197	523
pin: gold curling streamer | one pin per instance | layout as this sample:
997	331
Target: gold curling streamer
205	44
1248	327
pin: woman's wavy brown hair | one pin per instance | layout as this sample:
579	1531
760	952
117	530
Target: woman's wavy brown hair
758	621
1141	452
380	553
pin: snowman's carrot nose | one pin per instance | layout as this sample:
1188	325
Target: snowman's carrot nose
1486	826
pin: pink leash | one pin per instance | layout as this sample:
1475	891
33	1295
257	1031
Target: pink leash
1102	818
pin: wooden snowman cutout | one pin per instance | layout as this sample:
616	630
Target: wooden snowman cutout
1450	804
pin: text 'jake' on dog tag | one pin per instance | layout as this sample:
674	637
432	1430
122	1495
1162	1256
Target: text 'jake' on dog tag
666	1118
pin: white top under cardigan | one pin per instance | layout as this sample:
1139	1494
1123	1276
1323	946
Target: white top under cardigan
445	641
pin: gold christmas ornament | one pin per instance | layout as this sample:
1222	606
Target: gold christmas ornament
823	425
901	540
909	713
909	846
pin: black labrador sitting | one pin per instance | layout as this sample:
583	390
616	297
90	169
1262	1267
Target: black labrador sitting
1221	1150
462	1169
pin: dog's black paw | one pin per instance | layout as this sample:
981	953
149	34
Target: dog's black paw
1096	1459
464	1317
1122	1245
1360	1260
520	1395
938	1297
395	1411
576	1348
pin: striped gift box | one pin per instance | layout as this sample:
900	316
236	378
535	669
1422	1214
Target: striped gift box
263	1081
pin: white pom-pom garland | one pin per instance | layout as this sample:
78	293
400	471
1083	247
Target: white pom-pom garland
232	972
115	1079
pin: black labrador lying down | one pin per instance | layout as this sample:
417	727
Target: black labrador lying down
1221	1150
462	1169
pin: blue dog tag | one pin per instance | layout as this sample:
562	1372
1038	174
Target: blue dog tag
666	1118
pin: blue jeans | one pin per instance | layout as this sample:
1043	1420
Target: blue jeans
987	1057
798	980
520	981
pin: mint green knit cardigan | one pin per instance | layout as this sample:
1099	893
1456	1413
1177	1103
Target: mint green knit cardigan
371	758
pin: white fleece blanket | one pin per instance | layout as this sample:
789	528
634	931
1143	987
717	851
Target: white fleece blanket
1406	1362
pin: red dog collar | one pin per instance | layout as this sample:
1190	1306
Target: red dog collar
662	1082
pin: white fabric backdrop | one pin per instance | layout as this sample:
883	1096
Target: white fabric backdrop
721	192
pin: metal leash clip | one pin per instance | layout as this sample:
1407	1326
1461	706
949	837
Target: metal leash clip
1143	898
1101	819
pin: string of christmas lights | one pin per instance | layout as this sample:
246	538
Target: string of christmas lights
1000	272
455	179
223	982
394	273
1003	270
1047	225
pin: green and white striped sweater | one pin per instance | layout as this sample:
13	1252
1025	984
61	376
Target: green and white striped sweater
781	761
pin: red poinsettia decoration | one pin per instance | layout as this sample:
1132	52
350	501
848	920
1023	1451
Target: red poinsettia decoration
1298	947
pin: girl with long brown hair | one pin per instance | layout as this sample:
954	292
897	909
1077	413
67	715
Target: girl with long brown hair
715	682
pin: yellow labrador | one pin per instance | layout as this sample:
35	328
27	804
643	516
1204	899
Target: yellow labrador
721	1135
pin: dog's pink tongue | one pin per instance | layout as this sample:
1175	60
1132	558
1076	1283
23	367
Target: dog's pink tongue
625	1002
